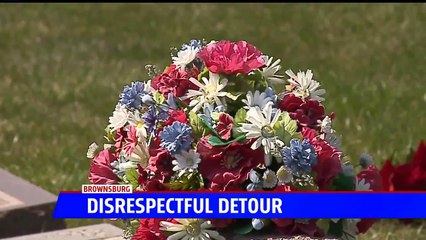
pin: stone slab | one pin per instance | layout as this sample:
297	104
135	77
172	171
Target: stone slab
25	208
101	231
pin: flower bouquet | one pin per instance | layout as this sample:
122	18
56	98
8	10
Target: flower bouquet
214	120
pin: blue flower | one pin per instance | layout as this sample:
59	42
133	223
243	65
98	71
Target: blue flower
299	157
176	137
151	119
192	44
135	95
269	92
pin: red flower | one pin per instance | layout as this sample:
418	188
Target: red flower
149	229
150	181
227	167
175	81
328	163
410	176
290	227
119	139
176	116
130	141
386	173
160	161
230	58
224	127
101	170
371	176
306	113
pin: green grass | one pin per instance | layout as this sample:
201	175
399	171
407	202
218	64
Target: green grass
62	67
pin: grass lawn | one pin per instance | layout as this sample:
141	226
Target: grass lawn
62	67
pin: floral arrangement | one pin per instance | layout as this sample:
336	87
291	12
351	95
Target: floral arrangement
214	120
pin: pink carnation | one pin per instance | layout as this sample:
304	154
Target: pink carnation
101	170
230	58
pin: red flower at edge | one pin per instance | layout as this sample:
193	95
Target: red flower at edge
410	176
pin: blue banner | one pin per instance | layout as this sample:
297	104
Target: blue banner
242	205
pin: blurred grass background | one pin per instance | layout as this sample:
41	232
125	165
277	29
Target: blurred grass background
62	67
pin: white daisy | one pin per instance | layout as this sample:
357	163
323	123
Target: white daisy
269	72
284	175
208	93
269	179
140	154
256	99
186	160
185	57
119	117
261	126
91	150
190	229
135	119
362	185
304	86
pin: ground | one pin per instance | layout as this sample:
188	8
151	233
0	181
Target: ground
62	67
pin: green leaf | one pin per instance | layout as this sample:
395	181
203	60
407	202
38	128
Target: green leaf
198	128
336	229
343	183
217	141
243	227
204	73
188	181
132	177
285	128
159	98
210	127
240	116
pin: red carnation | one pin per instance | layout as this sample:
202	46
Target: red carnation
149	229
231	58
101	170
306	113
176	116
175	81
328	163
224	127
227	167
